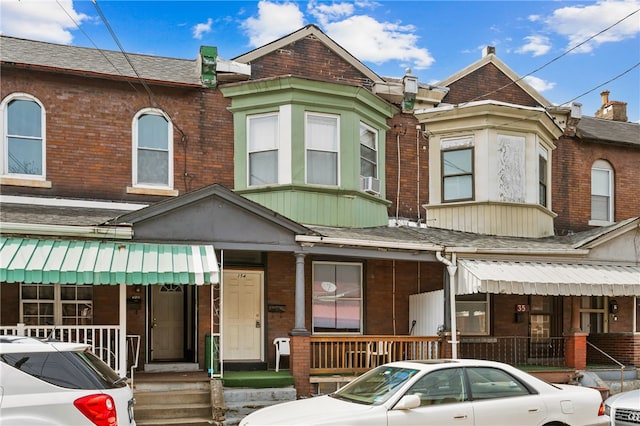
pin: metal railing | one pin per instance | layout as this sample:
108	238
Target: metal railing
515	350
618	363
357	354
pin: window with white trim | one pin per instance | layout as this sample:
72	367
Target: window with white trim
602	191
337	297
368	151
24	146
153	149
48	304
262	137
457	174
322	145
472	314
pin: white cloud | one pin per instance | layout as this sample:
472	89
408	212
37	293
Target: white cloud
325	12
539	84
379	42
537	45
578	23
203	28
534	18
274	20
40	20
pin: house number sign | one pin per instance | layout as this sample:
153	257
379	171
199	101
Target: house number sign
522	308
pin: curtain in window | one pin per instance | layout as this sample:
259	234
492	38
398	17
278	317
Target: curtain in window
263	150
153	150
322	150
24	131
600	194
368	153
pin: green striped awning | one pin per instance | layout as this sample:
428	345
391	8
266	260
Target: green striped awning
48	261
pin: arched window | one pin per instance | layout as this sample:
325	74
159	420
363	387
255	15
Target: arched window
601	192
23	137
152	149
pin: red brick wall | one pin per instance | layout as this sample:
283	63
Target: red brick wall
571	182
624	347
97	115
481	85
309	58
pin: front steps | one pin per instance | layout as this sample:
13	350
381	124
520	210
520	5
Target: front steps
240	402
193	399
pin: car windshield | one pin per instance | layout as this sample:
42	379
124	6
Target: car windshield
376	386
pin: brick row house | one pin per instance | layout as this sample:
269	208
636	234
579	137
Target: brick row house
202	208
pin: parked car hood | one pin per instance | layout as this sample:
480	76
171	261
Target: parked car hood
628	399
309	411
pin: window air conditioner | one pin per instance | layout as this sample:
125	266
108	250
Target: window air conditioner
370	184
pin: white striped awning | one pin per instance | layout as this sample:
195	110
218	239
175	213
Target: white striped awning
539	278
49	261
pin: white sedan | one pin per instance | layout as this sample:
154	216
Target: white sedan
440	393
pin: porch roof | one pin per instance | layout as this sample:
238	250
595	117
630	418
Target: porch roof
542	278
49	261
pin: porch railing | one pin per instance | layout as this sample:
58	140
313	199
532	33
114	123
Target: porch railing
357	354
103	339
515	350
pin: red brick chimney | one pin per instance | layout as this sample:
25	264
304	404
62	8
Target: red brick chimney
612	110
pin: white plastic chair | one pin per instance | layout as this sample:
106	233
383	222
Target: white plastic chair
282	348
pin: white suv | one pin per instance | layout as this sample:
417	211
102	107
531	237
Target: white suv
55	384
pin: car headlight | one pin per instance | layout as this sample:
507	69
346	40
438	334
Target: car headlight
607	410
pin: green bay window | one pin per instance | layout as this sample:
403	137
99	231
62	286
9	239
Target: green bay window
322	145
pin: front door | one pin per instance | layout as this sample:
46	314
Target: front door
242	315
167	322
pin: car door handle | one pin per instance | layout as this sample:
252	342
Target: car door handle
533	410
462	416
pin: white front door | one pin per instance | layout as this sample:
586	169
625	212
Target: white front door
167	327
242	315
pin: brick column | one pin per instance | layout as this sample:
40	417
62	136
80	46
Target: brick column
300	363
575	350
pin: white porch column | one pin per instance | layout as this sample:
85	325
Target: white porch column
122	335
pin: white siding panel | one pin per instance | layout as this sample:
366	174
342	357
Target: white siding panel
427	309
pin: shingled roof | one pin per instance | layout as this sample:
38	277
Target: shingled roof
99	63
599	129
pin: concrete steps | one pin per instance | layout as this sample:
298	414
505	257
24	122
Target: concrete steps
240	402
611	379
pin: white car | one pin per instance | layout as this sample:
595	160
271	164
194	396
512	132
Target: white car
59	384
440	393
624	408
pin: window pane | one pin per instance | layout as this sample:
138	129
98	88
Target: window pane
367	138
153	167
489	383
263	133
153	132
25	156
472	314
322	168
322	133
263	167
457	162
24	119
600	184
440	387
337	301
457	187
599	208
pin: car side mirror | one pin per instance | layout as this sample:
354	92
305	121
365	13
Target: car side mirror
408	402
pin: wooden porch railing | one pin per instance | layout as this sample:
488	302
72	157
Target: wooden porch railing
357	354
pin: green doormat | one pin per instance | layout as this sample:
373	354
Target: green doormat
257	379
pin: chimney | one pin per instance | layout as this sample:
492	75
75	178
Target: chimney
612	110
489	50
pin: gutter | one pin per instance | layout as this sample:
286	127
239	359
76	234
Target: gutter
111	232
311	239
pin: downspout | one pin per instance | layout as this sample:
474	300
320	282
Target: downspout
452	268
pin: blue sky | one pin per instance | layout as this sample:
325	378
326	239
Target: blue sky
433	38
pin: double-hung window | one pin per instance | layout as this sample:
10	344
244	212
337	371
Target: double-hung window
602	192
322	145
472	314
153	149
24	138
263	149
542	177
337	297
368	152
457	174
